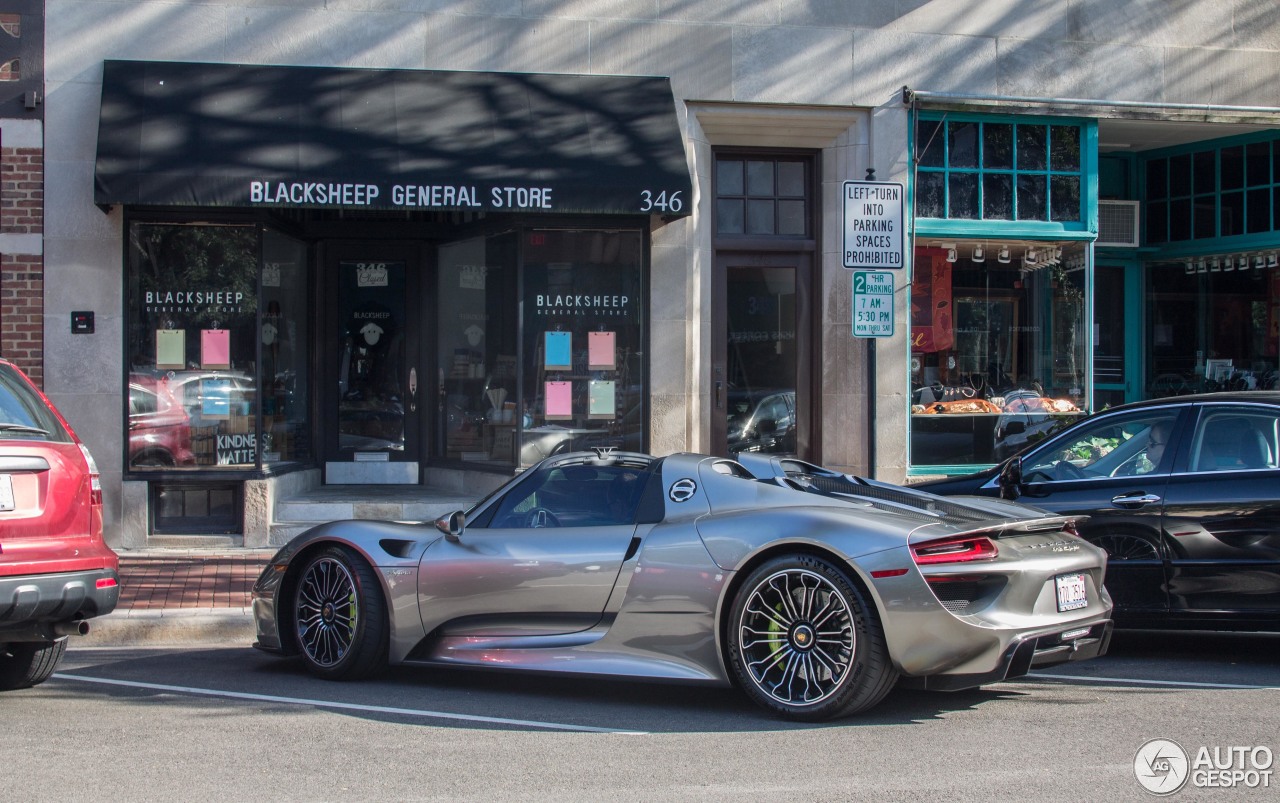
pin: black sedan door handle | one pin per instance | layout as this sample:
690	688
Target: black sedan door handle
1136	500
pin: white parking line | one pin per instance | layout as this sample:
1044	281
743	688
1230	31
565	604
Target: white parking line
1146	682
374	709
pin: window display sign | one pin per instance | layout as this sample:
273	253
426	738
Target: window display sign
601	354
215	349
602	399
171	349
559	401
559	354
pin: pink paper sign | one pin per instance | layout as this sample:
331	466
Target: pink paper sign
601	351
215	348
559	401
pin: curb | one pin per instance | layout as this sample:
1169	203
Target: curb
231	626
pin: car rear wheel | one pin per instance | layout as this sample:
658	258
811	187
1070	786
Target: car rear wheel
340	616
804	643
28	663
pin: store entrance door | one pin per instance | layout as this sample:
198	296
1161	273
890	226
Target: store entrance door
372	391
762	350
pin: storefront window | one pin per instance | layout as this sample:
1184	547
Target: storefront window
997	348
994	169
285	377
192	346
1225	191
477	357
1213	324
583	342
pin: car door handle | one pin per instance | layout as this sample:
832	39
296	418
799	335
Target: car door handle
1136	500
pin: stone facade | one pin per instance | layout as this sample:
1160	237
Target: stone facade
824	74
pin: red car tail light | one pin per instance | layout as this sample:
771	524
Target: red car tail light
961	549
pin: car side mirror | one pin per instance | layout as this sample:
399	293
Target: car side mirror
1015	428
451	525
766	426
1011	478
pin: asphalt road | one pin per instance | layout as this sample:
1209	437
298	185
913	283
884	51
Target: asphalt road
234	724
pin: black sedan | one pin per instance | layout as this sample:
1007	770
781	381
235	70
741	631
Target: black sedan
1184	495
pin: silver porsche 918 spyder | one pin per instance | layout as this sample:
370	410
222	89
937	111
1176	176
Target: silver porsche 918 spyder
814	592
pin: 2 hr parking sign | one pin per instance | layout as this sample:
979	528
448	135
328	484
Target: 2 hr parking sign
872	303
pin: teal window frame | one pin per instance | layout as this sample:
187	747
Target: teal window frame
1214	240
1084	226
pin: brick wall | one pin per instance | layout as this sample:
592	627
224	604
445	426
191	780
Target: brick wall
22	275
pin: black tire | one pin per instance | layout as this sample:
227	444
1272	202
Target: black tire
339	616
792	601
24	664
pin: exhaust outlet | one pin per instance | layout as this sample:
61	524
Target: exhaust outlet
79	627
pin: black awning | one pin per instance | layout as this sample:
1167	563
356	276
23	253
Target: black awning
186	134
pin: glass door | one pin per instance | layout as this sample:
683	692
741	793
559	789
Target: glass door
760	366
372	357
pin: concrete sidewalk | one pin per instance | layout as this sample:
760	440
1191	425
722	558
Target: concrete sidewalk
191	596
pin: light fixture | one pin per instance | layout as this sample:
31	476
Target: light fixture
1258	262
951	255
1190	268
1031	257
1271	260
1229	264
1244	263
1202	267
979	254
1216	265
1002	256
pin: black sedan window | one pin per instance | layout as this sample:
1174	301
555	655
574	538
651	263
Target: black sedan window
1108	447
1235	439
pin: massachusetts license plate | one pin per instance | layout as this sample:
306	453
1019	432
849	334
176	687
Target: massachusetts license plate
1072	593
6	492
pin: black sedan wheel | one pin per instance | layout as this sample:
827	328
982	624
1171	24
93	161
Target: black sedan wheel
804	643
340	617
1127	547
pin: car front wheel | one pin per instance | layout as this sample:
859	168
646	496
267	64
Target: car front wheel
29	663
804	643
340	616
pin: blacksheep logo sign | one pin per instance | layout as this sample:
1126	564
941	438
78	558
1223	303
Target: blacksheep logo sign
226	301
564	304
414	196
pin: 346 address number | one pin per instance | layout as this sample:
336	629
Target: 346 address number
663	201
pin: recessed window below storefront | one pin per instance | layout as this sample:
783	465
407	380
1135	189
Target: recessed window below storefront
998	351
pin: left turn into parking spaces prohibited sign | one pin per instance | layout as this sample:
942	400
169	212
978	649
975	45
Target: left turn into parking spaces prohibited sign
872	303
873	224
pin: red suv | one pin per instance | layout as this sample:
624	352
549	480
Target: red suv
55	569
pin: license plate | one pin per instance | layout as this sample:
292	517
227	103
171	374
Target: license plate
6	492
1072	592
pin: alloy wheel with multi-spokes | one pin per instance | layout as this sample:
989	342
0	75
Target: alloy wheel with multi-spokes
796	636
803	643
338	615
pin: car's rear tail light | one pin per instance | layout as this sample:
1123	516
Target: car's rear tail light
106	582
95	494
960	549
95	479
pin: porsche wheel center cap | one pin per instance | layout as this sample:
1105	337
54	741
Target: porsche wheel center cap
326	613
802	637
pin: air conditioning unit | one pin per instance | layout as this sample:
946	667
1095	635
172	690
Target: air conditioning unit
1118	224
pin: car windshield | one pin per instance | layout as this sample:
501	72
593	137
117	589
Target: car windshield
23	414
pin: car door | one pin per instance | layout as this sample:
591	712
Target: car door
544	563
1104	469
1223	515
